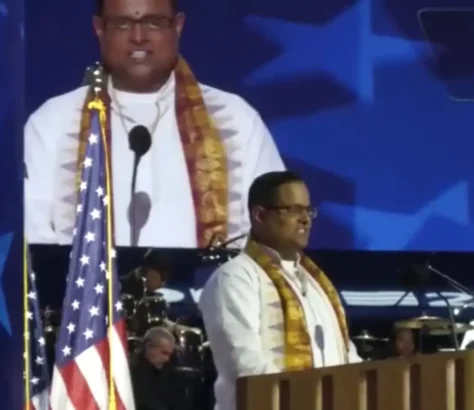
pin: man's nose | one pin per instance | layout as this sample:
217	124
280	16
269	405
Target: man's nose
138	33
305	218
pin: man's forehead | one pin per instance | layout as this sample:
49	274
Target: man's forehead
163	343
136	8
293	190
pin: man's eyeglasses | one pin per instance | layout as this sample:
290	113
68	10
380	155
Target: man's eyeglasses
295	210
158	23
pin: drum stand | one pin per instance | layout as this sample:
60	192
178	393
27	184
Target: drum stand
420	297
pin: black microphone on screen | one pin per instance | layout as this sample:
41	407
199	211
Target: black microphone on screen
139	140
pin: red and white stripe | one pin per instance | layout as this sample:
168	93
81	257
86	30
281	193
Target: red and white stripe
40	401
83	383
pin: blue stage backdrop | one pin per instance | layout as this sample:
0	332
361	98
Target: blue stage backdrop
11	208
349	91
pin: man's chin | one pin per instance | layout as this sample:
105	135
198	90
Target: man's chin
141	78
300	243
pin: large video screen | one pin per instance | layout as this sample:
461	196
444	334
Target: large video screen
351	96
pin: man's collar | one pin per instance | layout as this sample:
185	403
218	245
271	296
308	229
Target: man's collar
277	257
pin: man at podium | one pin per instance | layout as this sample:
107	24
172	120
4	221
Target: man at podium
271	309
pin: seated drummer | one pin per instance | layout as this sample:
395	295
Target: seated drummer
151	275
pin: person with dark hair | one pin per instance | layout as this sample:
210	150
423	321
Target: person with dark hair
151	275
271	309
402	343
145	281
207	145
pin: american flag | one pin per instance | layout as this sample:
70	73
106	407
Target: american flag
88	351
36	366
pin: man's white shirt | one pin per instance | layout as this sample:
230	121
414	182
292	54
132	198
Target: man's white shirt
231	308
162	173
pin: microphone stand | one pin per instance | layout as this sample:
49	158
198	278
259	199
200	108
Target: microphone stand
402	298
133	231
454	283
451	320
457	286
139	140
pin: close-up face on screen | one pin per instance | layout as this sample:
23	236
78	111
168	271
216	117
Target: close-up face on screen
348	121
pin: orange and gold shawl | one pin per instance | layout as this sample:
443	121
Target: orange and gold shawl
297	342
204	152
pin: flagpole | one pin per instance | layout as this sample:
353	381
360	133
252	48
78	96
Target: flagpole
100	107
26	336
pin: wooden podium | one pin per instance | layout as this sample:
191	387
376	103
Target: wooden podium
442	381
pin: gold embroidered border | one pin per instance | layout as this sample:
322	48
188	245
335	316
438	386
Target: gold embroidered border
205	157
298	354
204	151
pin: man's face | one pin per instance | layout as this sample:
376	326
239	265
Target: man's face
159	353
288	221
404	343
139	41
154	279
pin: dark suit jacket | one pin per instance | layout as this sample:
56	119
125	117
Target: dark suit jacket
153	388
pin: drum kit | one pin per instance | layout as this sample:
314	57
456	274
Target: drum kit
369	345
144	310
141	315
424	326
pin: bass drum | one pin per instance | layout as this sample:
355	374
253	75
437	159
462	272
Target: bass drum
129	306
188	355
151	311
135	345
51	324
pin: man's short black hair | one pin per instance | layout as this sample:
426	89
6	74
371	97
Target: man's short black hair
159	260
100	7
264	188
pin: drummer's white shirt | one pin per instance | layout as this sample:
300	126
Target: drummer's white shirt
231	309
51	156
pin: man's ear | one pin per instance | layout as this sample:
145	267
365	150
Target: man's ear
179	23
98	25
258	214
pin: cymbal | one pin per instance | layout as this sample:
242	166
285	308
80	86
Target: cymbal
367	337
446	331
422	322
182	328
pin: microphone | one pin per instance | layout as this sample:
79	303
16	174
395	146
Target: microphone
139	140
232	240
302	277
